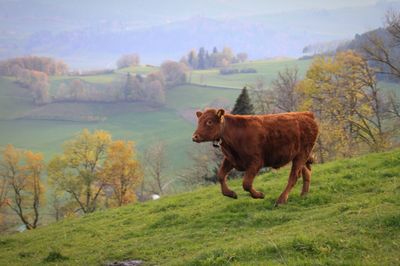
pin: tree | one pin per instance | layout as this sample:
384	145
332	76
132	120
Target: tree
243	104
175	73
4	189
128	60
263	100
154	88
192	59
40	87
155	165
242	57
342	92
22	171
383	47
122	171
205	160
284	90
132	89
78	170
202	58
36	82
228	54
155	92
46	65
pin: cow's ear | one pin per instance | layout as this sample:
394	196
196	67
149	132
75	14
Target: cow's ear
220	113
198	114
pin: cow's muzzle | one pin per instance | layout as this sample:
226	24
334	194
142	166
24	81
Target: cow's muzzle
196	138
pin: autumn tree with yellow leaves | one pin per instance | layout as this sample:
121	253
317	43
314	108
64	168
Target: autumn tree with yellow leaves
21	187
90	166
122	171
77	170
342	91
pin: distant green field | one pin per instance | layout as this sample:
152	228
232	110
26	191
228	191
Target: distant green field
14	100
266	71
142	69
350	217
129	121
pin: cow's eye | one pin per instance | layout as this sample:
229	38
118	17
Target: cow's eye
209	123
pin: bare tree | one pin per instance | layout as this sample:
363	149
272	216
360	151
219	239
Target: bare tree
262	98
383	48
393	102
205	159
155	165
284	90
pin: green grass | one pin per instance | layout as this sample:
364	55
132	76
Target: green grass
14	100
266	71
350	217
142	69
194	96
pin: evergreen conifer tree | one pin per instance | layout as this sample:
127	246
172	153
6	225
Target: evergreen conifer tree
243	104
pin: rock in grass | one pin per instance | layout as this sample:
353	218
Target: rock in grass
126	263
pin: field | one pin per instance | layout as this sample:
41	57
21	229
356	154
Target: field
350	217
45	128
266	72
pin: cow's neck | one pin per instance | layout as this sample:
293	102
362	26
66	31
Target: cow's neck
225	130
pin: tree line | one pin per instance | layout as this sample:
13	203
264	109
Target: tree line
204	59
32	73
93	172
148	88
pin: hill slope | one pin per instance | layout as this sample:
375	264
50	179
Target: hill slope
351	216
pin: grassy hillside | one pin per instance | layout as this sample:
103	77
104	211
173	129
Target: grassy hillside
350	217
267	71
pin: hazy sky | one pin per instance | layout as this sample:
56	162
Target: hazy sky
292	5
210	8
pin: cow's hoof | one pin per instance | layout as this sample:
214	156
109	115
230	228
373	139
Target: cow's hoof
280	201
230	194
258	195
303	193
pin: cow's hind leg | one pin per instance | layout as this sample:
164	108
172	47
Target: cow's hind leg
297	165
306	173
223	172
248	179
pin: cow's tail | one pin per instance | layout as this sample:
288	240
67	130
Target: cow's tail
310	161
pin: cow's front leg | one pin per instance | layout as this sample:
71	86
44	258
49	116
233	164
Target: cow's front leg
248	179
223	172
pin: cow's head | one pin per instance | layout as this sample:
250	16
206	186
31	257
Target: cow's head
209	125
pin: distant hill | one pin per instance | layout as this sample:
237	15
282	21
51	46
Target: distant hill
350	217
93	35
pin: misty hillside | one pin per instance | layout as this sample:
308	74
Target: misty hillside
88	35
350	217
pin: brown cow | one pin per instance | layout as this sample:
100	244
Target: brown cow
250	142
